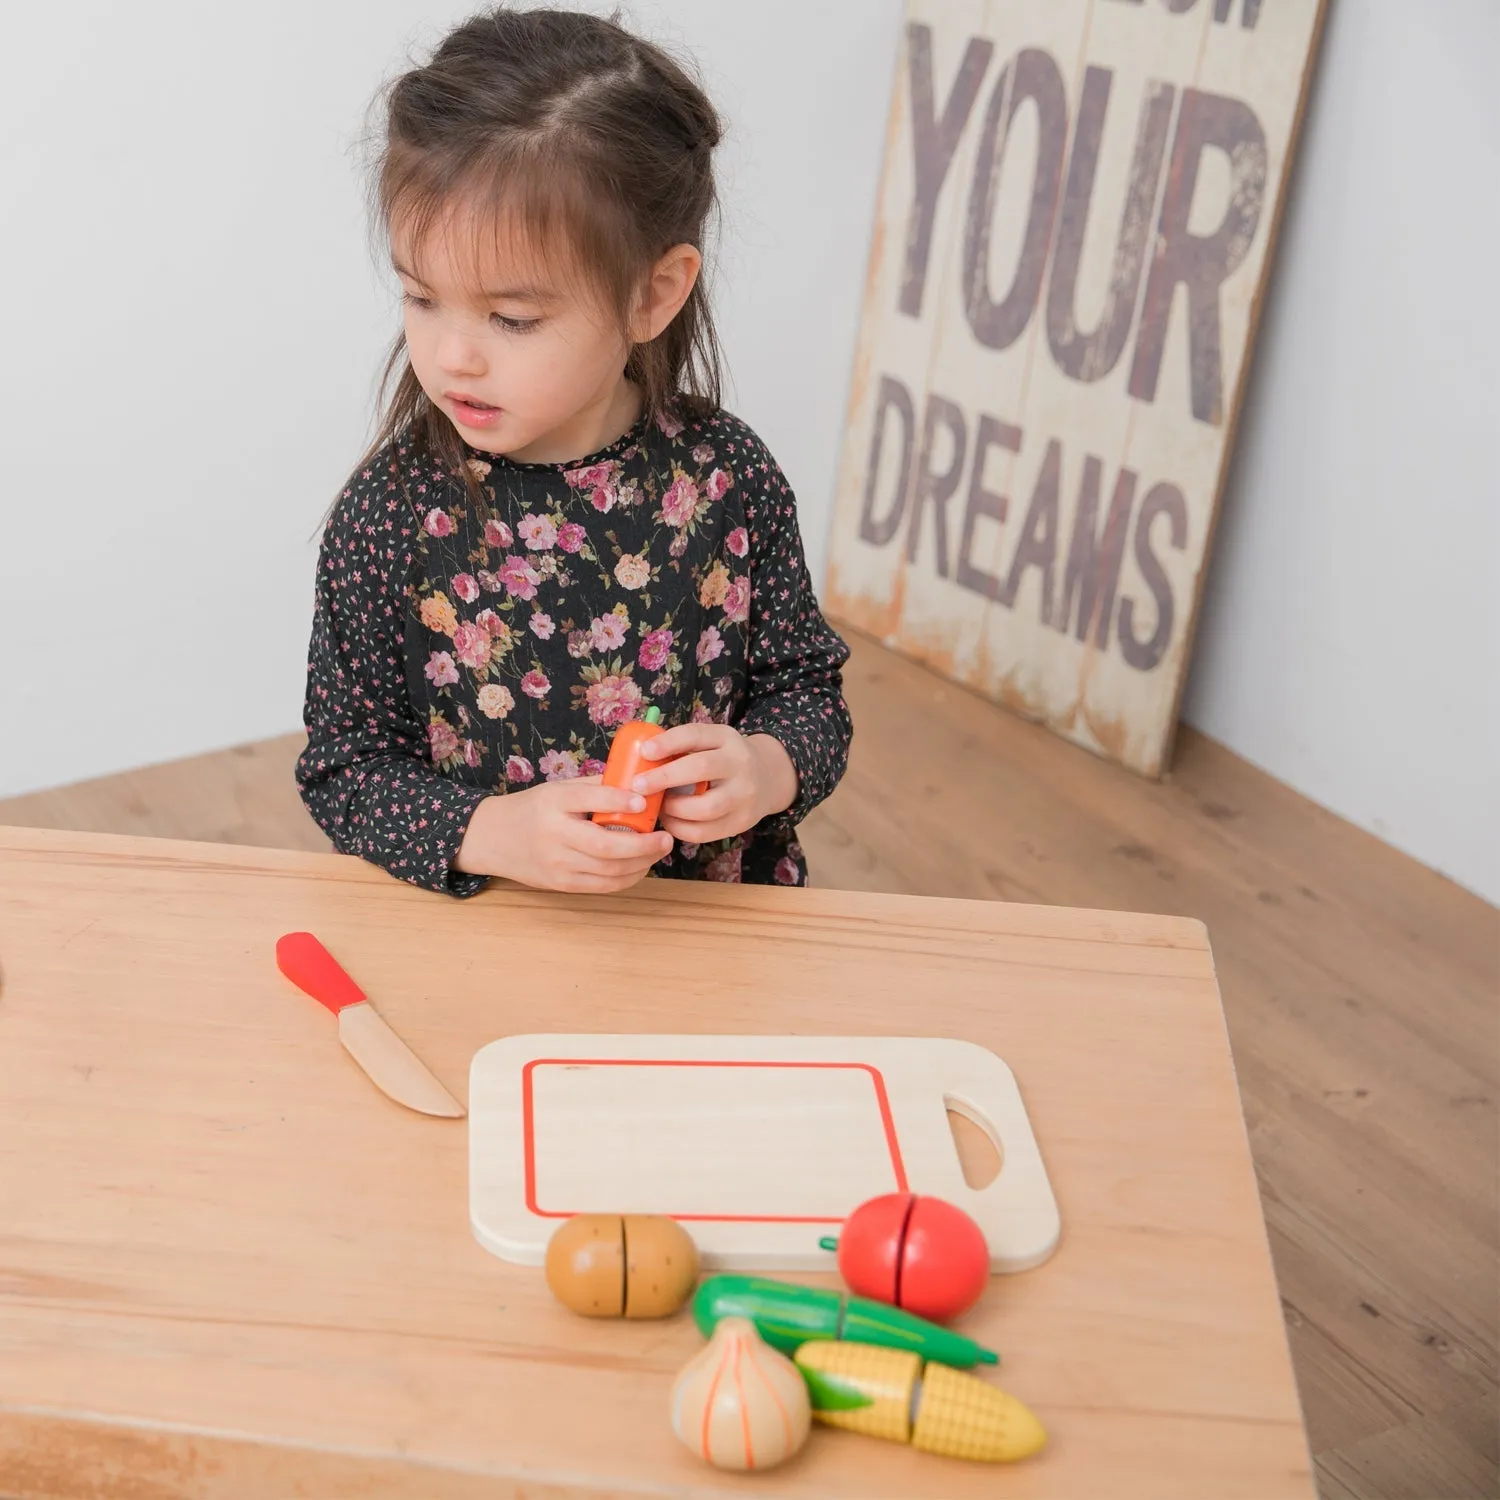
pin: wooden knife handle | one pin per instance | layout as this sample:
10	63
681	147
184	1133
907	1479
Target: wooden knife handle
315	971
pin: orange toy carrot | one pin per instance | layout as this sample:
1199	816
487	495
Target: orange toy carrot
625	763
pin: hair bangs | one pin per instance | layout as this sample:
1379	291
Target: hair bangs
522	216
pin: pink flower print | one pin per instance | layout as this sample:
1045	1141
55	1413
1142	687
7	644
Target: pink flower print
679	544
662	686
633	571
669	425
710	646
465	587
688	851
590	476
490	581
535	684
655	650
786	871
700	715
519	769
542	626
717	483
725	867
598	479
472	645
540	533
472	753
593	768
737	600
499	632
438	523
607	633
703	454
613	700
739	541
497	534
579	644
440	669
571	536
495	700
519	577
559	765
679	502
442	741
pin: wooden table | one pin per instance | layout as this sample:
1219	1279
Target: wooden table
229	1267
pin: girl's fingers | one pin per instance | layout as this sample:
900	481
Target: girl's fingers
605	849
683	739
611	847
702	765
701	833
715	804
616	873
588	794
597	885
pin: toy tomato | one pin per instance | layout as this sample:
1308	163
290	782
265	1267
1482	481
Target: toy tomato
625	763
918	1253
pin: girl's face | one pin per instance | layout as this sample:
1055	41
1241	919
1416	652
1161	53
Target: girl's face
521	363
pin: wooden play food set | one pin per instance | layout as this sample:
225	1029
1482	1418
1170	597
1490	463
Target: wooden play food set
622	1265
738	1403
889	1393
873	1369
919	1253
748	1146
741	1403
625	763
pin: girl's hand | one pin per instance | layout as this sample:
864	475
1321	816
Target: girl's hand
749	777
543	837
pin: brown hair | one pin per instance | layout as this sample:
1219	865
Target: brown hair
594	145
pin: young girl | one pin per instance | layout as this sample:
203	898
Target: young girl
557	525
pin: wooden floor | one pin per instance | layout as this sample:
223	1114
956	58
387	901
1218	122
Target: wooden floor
1361	993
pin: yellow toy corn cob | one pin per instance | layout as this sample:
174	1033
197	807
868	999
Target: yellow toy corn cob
887	1393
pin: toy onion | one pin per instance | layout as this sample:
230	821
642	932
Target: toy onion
738	1403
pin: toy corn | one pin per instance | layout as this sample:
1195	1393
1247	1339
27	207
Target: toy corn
889	1393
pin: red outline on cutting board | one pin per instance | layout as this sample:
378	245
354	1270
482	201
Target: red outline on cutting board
529	1137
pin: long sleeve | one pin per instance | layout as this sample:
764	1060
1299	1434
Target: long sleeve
796	657
366	776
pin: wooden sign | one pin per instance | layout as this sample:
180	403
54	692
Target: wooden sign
1076	214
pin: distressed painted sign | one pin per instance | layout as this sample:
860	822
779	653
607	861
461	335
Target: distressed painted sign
1075	219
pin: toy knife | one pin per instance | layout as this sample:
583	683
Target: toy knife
390	1063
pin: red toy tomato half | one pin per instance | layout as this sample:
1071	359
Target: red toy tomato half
870	1246
945	1262
917	1253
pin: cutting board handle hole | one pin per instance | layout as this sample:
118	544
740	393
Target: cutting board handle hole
978	1147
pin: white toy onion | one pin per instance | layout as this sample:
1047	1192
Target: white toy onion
739	1403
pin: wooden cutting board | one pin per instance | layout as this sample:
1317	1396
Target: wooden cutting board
759	1145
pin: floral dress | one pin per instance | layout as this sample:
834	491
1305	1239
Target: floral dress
457	655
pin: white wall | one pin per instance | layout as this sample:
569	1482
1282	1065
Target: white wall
1348	642
192	323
